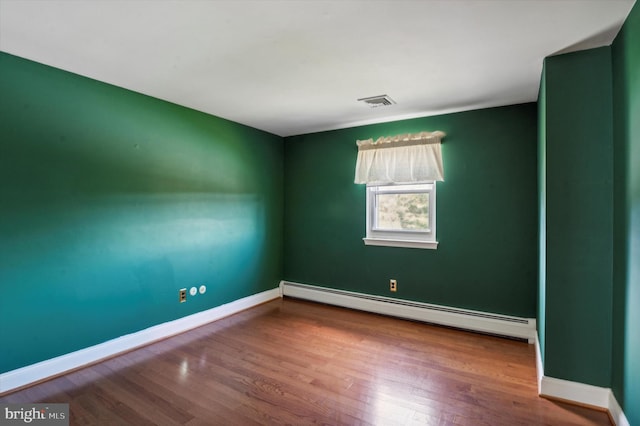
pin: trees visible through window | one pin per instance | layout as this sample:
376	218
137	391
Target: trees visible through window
403	211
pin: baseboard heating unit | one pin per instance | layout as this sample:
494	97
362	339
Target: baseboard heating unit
483	322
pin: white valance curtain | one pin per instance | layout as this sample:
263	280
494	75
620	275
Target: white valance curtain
404	158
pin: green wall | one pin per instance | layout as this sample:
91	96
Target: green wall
578	146
626	331
112	201
589	151
486	215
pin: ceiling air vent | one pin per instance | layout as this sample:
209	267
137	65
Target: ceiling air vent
377	101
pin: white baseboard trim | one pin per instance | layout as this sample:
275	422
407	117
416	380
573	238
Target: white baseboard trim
55	366
539	365
616	413
579	393
503	325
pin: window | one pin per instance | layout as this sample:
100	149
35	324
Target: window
402	215
401	174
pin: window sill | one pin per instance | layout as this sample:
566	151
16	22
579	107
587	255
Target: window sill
400	243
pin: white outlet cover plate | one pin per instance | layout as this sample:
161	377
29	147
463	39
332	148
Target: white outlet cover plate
203	289
193	291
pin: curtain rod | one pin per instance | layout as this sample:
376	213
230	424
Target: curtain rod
406	139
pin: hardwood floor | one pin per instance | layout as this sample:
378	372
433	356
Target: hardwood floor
295	362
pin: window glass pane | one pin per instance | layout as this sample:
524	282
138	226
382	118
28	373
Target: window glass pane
408	211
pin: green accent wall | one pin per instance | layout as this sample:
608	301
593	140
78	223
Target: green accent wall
589	204
111	201
626	300
486	214
578	147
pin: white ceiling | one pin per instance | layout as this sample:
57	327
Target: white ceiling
294	67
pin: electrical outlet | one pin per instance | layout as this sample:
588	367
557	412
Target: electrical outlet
393	285
182	295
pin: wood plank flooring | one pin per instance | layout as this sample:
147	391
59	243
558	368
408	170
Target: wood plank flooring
295	362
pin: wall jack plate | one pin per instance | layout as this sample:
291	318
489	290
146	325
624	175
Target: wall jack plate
393	285
182	295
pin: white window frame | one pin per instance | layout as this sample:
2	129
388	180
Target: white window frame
401	238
